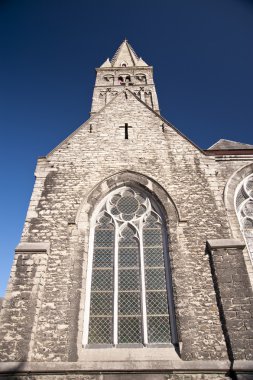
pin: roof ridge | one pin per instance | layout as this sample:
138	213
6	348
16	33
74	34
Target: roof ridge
129	48
223	144
116	54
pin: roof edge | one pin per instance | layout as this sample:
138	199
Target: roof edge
111	101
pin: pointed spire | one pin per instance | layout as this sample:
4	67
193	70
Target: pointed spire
126	56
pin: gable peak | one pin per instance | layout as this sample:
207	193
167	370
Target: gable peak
125	56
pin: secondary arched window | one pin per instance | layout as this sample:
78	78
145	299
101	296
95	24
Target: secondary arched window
244	210
129	298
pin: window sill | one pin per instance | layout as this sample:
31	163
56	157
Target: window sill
122	357
128	345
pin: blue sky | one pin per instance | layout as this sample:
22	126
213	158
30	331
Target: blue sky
201	50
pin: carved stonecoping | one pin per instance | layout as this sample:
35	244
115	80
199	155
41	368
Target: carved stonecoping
27	247
196	366
224	243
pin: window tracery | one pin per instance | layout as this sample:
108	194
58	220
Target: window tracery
244	210
128	296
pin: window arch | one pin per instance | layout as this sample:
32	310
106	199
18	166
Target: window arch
244	210
128	294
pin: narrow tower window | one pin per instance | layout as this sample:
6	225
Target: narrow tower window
121	80
129	296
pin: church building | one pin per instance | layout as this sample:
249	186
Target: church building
136	257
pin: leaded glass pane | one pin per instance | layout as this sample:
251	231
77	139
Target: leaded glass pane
128	257
102	279
129	279
130	330
152	237
104	221
104	238
129	297
154	257
156	293
128	205
158	329
101	300
101	303
157	303
103	258
115	211
129	303
127	217
115	199
152	221
155	278
100	330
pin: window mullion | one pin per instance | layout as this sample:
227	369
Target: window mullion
116	285
143	288
88	287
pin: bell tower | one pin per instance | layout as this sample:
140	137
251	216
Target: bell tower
125	69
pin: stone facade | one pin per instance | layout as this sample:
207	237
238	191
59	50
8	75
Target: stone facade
42	314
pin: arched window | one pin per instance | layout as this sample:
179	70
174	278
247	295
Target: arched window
244	210
141	78
128	79
128	296
121	80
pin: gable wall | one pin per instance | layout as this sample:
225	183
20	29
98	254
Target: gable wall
67	177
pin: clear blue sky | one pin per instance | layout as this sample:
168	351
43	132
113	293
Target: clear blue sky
201	50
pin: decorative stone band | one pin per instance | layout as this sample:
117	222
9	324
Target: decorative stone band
27	247
224	243
207	369
198	366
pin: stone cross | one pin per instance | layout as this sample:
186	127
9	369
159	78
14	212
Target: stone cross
126	126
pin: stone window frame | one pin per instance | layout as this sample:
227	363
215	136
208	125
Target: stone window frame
144	357
229	200
153	208
141	75
243	195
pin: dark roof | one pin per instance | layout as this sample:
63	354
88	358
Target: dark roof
228	144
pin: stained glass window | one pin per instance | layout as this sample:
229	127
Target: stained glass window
128	301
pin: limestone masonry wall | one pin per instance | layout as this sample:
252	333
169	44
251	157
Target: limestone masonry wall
45	312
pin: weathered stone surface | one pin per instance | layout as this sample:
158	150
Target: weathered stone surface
42	315
21	305
234	298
